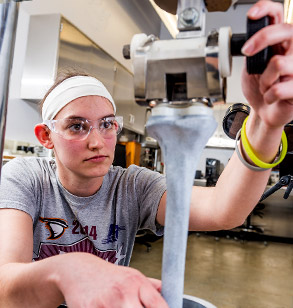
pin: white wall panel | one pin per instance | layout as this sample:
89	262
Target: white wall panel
109	23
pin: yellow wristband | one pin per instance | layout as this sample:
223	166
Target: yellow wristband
254	158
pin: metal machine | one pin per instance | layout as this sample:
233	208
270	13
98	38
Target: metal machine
180	79
191	68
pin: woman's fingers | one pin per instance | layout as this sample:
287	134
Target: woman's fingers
150	297
157	284
269	36
266	8
282	91
278	68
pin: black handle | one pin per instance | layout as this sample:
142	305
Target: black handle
289	189
285	180
257	63
270	191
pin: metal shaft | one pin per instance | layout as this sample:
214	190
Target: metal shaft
9	13
182	139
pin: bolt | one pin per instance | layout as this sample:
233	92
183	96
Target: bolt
153	104
189	16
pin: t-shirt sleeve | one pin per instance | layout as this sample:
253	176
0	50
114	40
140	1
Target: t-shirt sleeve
17	187
150	186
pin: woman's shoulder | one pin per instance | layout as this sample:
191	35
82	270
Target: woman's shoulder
29	165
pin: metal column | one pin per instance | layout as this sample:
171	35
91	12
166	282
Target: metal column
8	19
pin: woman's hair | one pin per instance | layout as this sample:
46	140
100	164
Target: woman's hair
61	76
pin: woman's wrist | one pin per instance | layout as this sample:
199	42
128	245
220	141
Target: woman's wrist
249	151
264	139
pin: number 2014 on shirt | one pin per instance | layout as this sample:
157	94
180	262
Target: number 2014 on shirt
79	229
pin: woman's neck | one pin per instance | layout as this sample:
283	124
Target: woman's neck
82	187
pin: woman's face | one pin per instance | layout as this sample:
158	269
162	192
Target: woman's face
91	157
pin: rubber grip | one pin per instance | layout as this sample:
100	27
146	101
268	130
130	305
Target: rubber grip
258	63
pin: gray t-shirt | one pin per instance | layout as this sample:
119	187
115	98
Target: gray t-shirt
104	224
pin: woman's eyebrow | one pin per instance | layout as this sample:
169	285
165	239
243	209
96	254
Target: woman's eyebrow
75	118
108	116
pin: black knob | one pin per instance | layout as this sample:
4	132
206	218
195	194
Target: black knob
126	51
31	149
237	41
257	63
22	148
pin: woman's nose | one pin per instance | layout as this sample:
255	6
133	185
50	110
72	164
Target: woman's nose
95	138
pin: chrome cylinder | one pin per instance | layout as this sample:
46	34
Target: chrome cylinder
8	19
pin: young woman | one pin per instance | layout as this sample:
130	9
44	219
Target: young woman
80	203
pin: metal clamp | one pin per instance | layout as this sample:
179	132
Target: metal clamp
285	180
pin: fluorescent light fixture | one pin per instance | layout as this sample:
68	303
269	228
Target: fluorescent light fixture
288	11
168	19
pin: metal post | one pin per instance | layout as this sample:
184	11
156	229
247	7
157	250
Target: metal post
182	134
8	19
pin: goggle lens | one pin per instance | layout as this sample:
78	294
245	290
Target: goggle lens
79	129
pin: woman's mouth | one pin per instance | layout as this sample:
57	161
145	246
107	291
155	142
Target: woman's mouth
97	158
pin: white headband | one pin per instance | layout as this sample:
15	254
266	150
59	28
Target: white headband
70	89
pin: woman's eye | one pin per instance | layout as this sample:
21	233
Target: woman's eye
77	127
106	124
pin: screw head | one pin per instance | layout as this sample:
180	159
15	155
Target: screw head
189	16
153	104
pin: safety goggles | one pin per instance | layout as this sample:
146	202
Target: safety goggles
80	128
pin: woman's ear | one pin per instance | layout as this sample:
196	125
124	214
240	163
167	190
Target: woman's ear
43	134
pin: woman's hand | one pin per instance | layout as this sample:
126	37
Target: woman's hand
89	281
271	94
